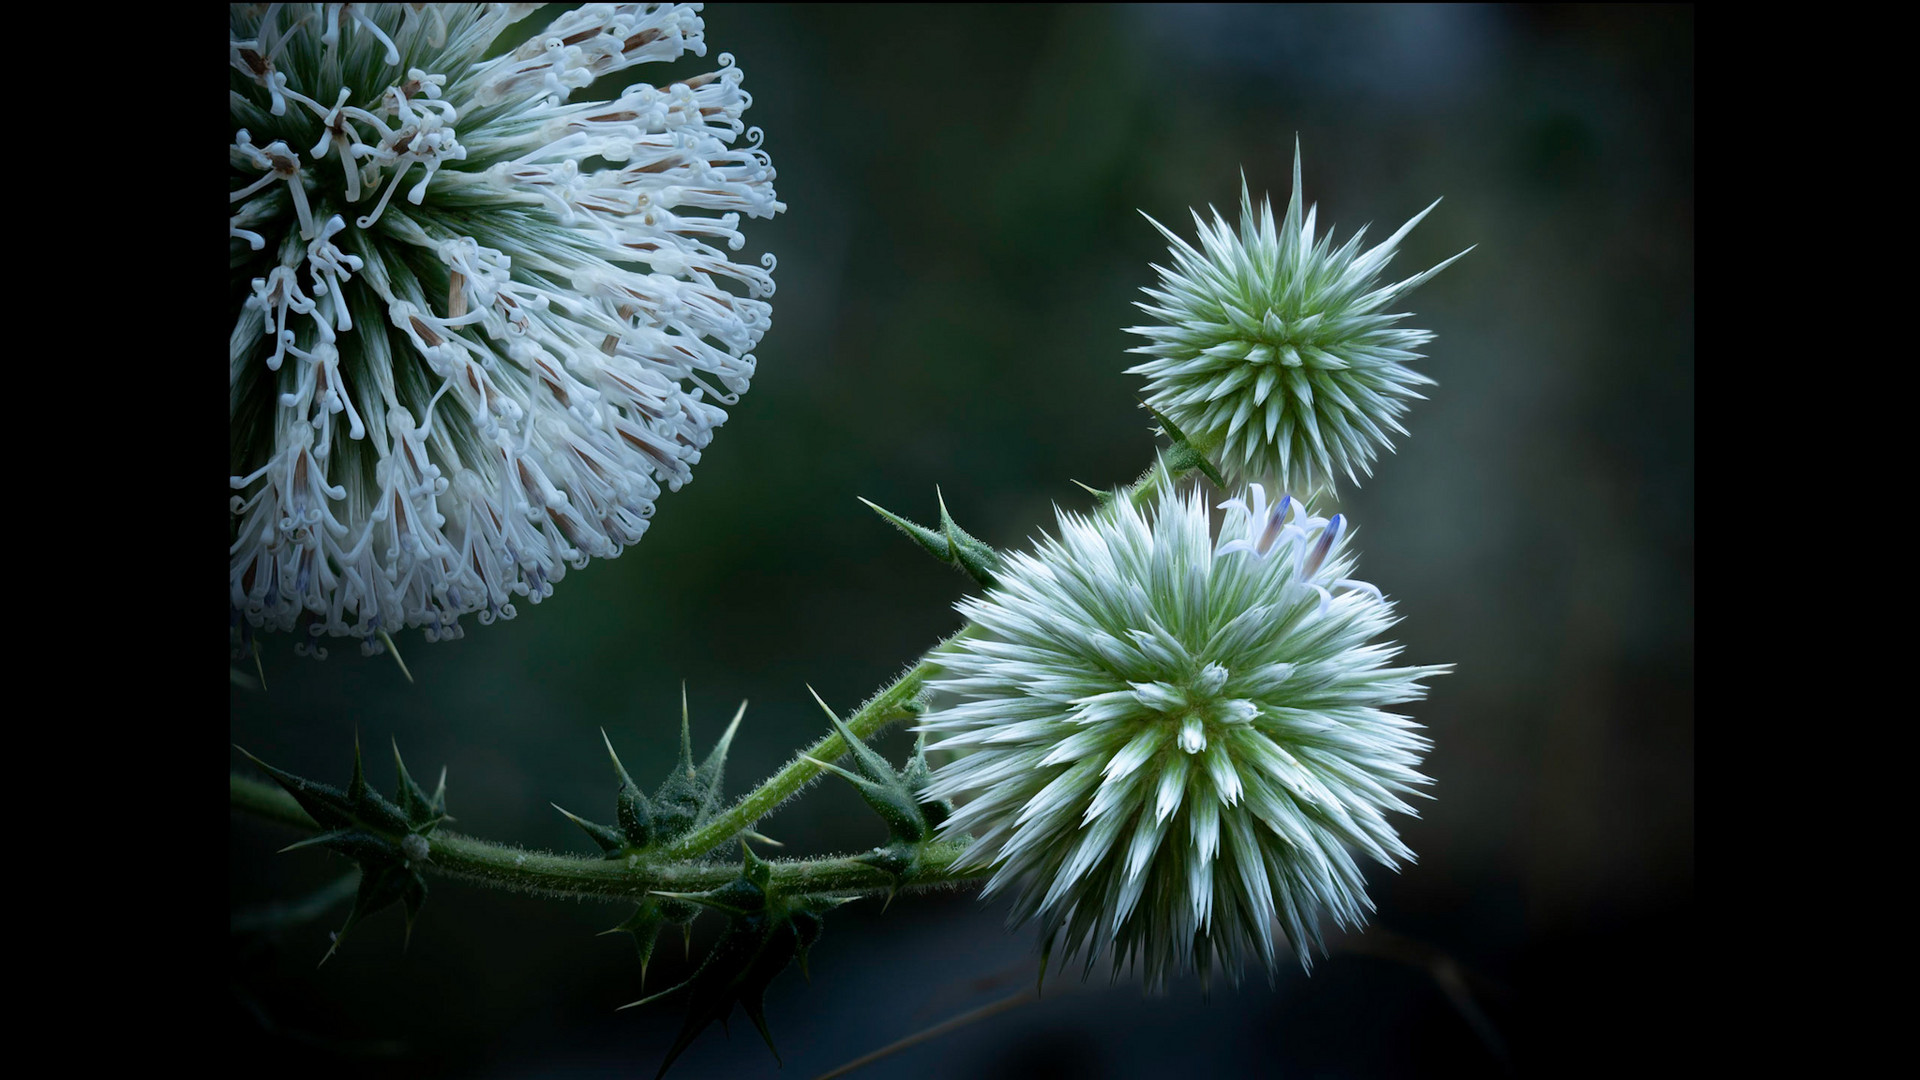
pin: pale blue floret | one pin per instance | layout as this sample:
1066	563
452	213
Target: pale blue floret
1266	526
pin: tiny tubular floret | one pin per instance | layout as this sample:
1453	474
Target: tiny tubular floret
562	335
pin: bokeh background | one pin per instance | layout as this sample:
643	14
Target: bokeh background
958	261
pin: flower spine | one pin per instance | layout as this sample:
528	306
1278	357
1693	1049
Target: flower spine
477	327
1274	353
1169	743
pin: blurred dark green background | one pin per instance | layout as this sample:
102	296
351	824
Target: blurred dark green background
957	263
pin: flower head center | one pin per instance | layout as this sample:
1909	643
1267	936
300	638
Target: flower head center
1194	709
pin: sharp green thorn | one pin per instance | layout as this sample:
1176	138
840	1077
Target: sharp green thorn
890	517
618	768
866	787
650	997
395	650
726	737
719	751
686	733
1211	473
824	707
839	726
759	838
933	542
259	667
357	787
1083	487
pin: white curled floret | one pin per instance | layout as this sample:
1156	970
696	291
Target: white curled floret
280	163
331	267
275	296
331	36
425	135
339	135
575	325
254	58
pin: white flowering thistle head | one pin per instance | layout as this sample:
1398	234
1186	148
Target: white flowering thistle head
1275	353
1171	742
478	327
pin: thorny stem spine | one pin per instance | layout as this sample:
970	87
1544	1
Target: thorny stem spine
479	862
465	858
468	859
889	705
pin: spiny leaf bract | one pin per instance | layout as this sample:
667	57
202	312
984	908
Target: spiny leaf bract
1184	454
645	925
370	829
885	790
766	931
950	543
896	796
686	801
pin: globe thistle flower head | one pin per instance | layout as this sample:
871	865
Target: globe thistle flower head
478	327
1275	353
1171	742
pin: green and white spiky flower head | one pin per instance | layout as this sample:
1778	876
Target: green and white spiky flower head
440	401
1275	354
1169	742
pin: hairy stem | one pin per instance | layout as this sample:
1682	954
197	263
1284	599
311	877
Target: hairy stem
1143	489
676	868
574	877
894	702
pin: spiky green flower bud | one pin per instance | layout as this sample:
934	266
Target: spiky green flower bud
1170	743
1277	353
477	327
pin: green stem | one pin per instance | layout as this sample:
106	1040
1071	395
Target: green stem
891	704
1144	488
673	868
573	877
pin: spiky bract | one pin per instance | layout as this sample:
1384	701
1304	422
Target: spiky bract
1169	744
1276	354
